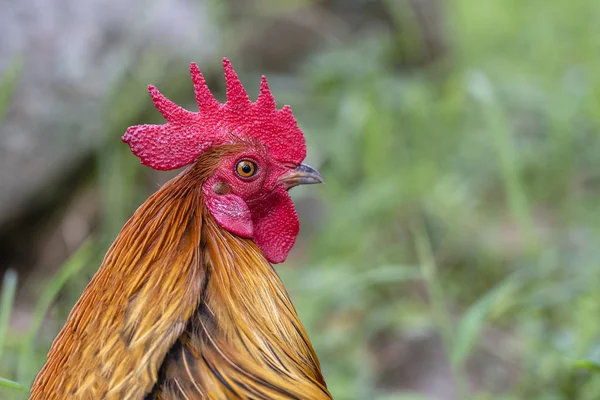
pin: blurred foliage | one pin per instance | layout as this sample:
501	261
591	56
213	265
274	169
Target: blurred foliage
461	199
8	83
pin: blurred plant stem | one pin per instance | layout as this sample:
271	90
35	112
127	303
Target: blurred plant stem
7	383
9	288
509	167
440	312
8	83
73	265
117	169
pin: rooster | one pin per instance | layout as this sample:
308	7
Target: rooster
186	303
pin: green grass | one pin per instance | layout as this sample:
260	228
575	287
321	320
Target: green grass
9	288
8	83
27	351
461	202
81	258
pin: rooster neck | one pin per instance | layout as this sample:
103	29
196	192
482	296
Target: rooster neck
245	339
138	303
135	307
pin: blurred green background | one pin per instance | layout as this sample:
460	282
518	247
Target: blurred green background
453	252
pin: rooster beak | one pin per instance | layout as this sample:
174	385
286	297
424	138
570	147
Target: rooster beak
302	175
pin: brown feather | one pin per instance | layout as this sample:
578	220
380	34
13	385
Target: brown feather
176	285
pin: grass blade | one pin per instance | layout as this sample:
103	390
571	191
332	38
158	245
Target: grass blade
472	322
73	265
7	383
8	83
589	365
9	288
438	303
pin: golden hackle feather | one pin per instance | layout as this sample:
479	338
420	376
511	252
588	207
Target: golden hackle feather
181	308
245	341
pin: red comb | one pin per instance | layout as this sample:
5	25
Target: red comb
188	134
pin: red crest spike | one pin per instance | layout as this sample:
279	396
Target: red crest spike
171	111
206	101
265	100
286	116
237	98
188	134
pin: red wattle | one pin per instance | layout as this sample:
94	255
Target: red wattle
276	225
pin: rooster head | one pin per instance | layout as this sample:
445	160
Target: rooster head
248	192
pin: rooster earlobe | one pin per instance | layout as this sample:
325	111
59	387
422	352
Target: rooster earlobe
229	211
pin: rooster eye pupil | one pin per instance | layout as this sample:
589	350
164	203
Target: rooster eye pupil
246	168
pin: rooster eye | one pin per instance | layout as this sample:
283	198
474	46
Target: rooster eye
245	168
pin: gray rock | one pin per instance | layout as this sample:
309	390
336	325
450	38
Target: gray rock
73	53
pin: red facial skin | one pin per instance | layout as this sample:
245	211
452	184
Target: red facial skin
256	207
